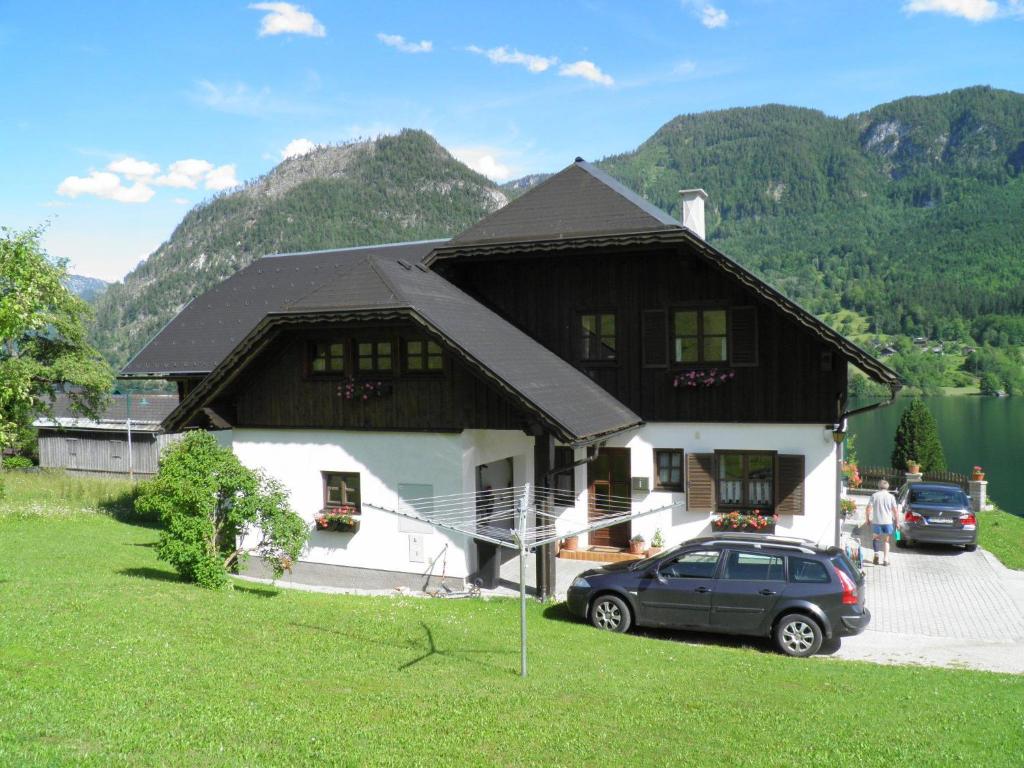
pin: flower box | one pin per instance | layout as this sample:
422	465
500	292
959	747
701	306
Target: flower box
340	519
744	522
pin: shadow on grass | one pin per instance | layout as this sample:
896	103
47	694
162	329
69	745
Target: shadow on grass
150	544
154	574
255	590
121	507
560	612
428	649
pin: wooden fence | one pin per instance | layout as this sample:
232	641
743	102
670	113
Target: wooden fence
896	477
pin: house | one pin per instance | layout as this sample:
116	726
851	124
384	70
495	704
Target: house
578	337
82	445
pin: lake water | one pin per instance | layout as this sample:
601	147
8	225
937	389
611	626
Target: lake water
987	431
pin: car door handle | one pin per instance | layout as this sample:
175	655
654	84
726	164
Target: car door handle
766	592
702	590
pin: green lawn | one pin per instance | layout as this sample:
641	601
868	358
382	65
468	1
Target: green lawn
1002	534
106	659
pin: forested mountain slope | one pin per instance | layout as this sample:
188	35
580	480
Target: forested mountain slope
397	188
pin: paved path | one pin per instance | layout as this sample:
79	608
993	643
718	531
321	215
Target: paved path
942	606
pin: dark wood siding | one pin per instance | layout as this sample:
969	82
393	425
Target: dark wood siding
276	391
778	372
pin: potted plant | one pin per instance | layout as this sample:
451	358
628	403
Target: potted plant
637	545
847	507
344	519
913	466
570	542
978	473
657	543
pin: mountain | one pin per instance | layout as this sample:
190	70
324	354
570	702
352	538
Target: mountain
908	214
395	188
86	288
516	187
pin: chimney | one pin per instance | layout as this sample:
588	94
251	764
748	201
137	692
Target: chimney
691	206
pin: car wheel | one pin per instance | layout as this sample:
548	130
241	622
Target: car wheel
970	547
611	612
798	635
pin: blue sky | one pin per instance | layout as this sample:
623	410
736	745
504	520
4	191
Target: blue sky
118	116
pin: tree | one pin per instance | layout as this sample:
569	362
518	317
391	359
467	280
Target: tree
917	437
42	337
208	502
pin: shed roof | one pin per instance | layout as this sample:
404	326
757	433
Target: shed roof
147	412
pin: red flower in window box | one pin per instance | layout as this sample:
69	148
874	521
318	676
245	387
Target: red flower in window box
344	519
750	522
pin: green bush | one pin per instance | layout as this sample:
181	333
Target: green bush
207	501
17	462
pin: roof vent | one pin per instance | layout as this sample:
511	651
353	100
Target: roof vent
578	159
404	264
691	206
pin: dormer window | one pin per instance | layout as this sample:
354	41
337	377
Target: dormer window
597	339
327	357
700	336
374	357
423	356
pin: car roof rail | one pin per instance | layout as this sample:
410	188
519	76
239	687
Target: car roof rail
764	539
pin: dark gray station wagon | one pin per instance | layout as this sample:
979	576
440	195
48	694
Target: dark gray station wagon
743	584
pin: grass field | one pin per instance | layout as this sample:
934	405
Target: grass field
106	659
1002	534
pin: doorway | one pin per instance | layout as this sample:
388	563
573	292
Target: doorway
494	491
608	486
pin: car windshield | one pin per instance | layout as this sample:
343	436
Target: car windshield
949	497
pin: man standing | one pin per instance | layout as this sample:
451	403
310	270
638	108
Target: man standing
881	515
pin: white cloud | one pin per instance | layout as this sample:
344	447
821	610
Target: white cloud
588	70
104	185
710	16
288	19
484	160
297	147
221	177
185	173
405	46
136	170
972	10
501	55
241	99
181	200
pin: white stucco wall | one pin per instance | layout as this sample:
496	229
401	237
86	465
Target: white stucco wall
447	462
813	442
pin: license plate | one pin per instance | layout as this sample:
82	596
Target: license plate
939	521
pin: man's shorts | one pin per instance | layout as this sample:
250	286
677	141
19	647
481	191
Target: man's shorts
882	530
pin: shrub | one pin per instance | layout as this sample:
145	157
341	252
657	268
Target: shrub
17	462
207	501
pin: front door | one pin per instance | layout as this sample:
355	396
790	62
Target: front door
747	590
608	481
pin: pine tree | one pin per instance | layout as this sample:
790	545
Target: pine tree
917	437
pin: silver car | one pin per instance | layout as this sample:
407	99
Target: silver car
936	513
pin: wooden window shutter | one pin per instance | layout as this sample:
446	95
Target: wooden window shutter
790	485
743	336
700	482
655	338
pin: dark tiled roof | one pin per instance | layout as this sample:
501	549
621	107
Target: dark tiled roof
145	408
578	201
210	326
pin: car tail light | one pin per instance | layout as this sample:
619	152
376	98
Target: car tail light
912	517
849	588
968	520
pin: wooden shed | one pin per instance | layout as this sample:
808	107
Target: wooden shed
69	441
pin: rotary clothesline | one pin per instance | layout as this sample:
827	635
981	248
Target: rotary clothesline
501	517
492	515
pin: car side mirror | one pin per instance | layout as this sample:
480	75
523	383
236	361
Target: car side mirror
654	573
